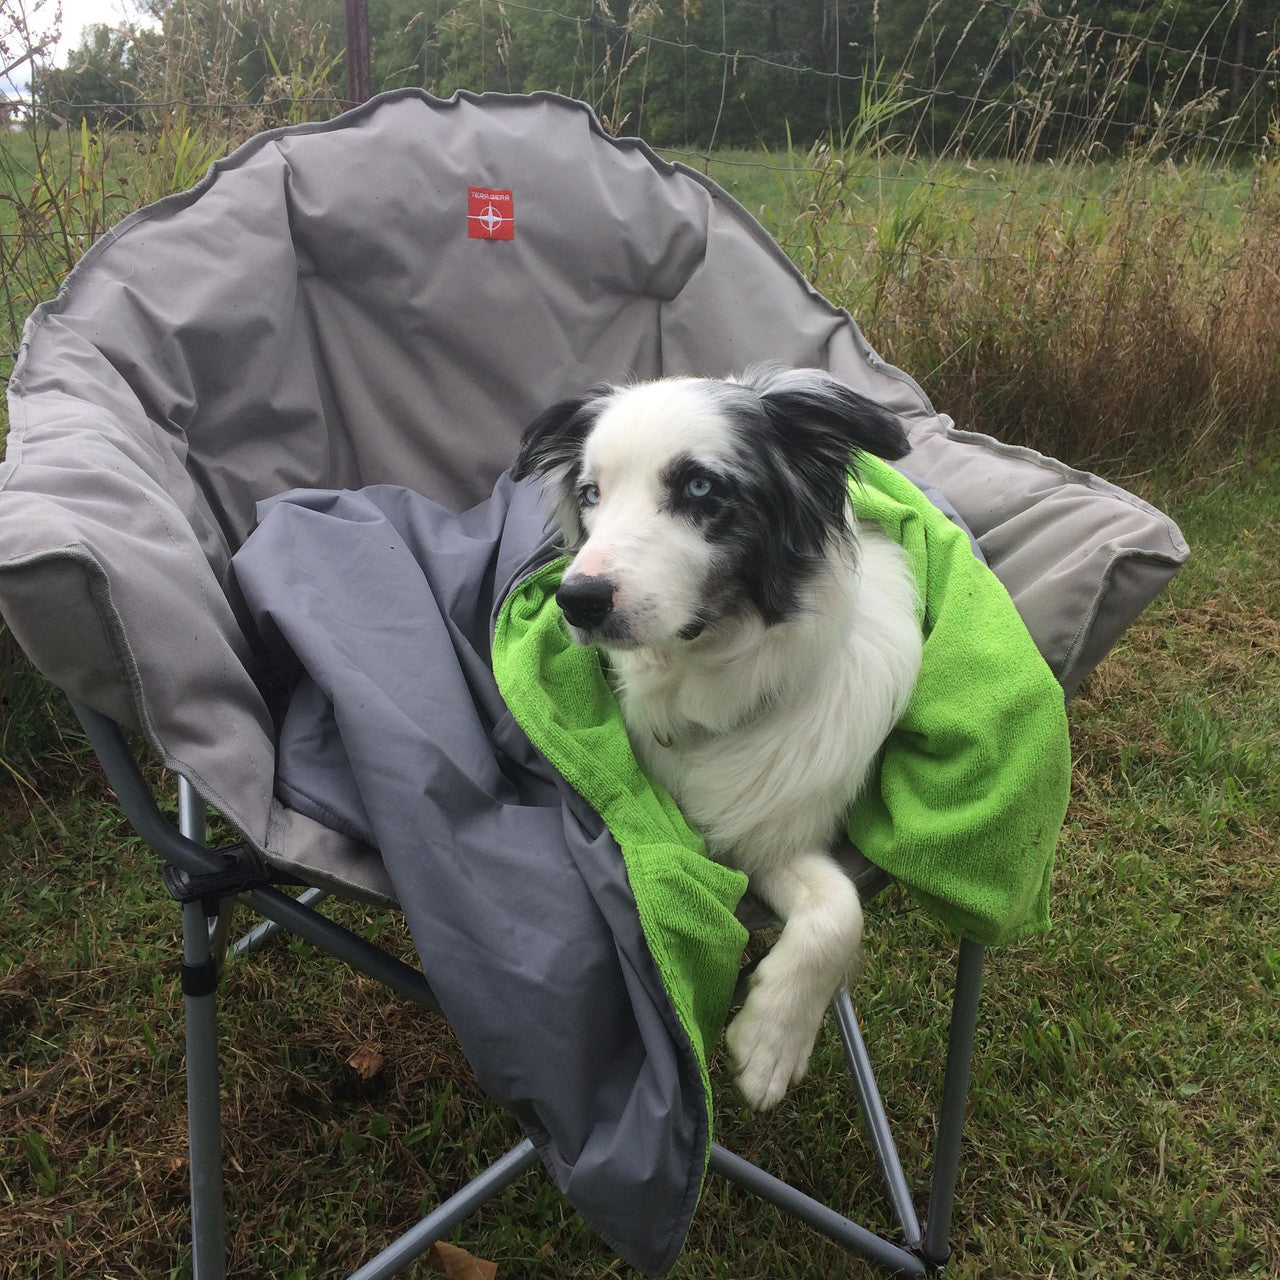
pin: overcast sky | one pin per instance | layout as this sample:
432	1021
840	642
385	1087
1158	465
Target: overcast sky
76	15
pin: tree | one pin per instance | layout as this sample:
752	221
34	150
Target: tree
1056	77
100	83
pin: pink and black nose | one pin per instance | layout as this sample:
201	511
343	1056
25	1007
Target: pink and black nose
585	601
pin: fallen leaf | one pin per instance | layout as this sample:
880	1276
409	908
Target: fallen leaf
458	1264
366	1062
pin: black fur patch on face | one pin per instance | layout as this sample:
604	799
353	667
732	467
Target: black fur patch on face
696	491
798	435
830	416
552	446
554	439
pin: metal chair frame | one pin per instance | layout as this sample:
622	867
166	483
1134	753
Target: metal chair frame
207	881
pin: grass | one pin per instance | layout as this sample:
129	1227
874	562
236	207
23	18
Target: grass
60	190
1122	1119
1099	313
1113	313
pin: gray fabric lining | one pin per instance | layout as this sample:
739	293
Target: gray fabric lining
516	895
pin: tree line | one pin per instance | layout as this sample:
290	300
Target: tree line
976	76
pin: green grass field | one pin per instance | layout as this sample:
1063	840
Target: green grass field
1122	1120
1123	1117
762	181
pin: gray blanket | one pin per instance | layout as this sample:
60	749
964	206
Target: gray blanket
380	604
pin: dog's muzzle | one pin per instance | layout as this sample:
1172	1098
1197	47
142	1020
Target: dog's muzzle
585	602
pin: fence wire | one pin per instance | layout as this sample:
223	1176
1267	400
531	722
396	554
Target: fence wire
1059	85
1020	40
1087	35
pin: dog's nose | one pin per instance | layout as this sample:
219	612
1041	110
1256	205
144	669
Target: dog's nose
586	602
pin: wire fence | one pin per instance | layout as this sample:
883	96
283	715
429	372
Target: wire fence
1047	66
1032	63
1025	39
978	100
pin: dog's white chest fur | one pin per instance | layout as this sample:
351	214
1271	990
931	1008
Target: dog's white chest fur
765	737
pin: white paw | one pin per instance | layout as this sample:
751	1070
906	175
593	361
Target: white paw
770	1042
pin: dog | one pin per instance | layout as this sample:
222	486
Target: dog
761	646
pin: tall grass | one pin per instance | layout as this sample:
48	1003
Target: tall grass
1115	312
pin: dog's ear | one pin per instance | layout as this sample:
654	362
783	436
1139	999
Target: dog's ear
553	440
814	428
827	415
551	448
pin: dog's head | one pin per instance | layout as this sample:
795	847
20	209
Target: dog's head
687	501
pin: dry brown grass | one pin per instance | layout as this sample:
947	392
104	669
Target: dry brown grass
1096	312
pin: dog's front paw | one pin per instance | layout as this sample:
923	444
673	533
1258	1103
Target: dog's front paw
770	1042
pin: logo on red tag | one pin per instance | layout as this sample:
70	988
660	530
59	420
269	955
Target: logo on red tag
491	215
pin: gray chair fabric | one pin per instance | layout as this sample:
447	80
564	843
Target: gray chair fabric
316	314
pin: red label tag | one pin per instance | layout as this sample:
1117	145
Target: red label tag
491	215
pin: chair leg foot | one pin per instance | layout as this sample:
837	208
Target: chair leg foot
934	1266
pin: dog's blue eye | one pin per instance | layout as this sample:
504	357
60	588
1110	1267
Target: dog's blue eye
698	487
589	495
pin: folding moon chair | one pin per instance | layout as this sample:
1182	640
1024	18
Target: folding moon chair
389	298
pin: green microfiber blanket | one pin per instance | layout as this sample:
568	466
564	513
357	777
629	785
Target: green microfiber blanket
974	781
964	811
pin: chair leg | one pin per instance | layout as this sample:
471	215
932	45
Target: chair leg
204	1123
849	1235
877	1122
203	944
260	935
955	1089
477	1193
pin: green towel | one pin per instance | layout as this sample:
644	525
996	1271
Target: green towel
974	781
964	811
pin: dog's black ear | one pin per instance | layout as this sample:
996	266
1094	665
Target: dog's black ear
553	440
831	415
814	427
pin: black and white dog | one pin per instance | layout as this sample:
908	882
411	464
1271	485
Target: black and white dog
761	646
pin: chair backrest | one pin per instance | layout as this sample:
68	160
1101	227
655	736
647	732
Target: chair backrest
391	297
